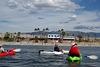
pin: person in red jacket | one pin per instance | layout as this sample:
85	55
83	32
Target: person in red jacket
74	51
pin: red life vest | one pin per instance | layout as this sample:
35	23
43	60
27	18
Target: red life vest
74	50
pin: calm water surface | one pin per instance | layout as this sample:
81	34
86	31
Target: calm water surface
29	57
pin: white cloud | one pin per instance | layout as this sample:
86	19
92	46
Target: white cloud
19	19
74	16
39	5
12	4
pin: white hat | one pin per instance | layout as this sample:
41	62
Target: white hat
73	44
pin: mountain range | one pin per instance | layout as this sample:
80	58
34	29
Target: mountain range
92	34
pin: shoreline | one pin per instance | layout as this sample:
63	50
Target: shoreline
87	44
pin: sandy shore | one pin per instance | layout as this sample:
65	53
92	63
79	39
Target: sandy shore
92	44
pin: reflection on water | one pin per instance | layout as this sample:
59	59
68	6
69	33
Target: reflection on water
29	57
74	64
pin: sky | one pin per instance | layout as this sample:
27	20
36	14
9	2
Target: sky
70	15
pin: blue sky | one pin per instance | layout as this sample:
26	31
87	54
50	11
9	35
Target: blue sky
70	15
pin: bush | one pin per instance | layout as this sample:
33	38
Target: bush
46	40
36	39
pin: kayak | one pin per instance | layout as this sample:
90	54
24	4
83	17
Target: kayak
10	52
74	59
52	52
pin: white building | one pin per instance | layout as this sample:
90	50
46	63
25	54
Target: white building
53	36
57	36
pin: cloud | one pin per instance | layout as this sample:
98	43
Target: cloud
87	27
41	5
74	16
31	14
81	27
70	19
40	18
12	4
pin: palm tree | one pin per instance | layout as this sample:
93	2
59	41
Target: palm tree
42	34
44	31
63	34
73	34
35	30
33	34
95	37
62	30
18	35
85	37
80	37
6	37
47	30
88	39
67	34
38	29
74	37
59	35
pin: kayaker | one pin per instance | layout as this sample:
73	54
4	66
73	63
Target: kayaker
1	49
74	51
56	48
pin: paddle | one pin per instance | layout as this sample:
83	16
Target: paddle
62	52
91	56
17	50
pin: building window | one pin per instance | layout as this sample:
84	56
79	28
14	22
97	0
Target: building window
49	35
55	35
52	35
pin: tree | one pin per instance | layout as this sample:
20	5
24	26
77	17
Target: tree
33	34
47	31
36	39
67	34
62	30
46	40
74	37
42	34
38	29
44	31
18	36
88	39
80	37
7	36
73	34
59	35
63	34
95	37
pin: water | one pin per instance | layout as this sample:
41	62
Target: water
29	57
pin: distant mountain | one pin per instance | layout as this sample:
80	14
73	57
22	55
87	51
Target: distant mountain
92	34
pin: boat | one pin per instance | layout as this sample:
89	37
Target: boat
43	52
74	59
9	52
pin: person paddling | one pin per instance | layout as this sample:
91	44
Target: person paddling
1	49
56	48
74	51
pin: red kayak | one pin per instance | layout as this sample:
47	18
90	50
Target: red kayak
10	52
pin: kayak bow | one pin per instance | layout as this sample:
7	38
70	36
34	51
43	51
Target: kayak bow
10	52
74	59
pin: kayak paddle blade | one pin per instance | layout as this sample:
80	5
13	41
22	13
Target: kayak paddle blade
17	50
93	57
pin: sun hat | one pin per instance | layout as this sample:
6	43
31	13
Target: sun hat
74	44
